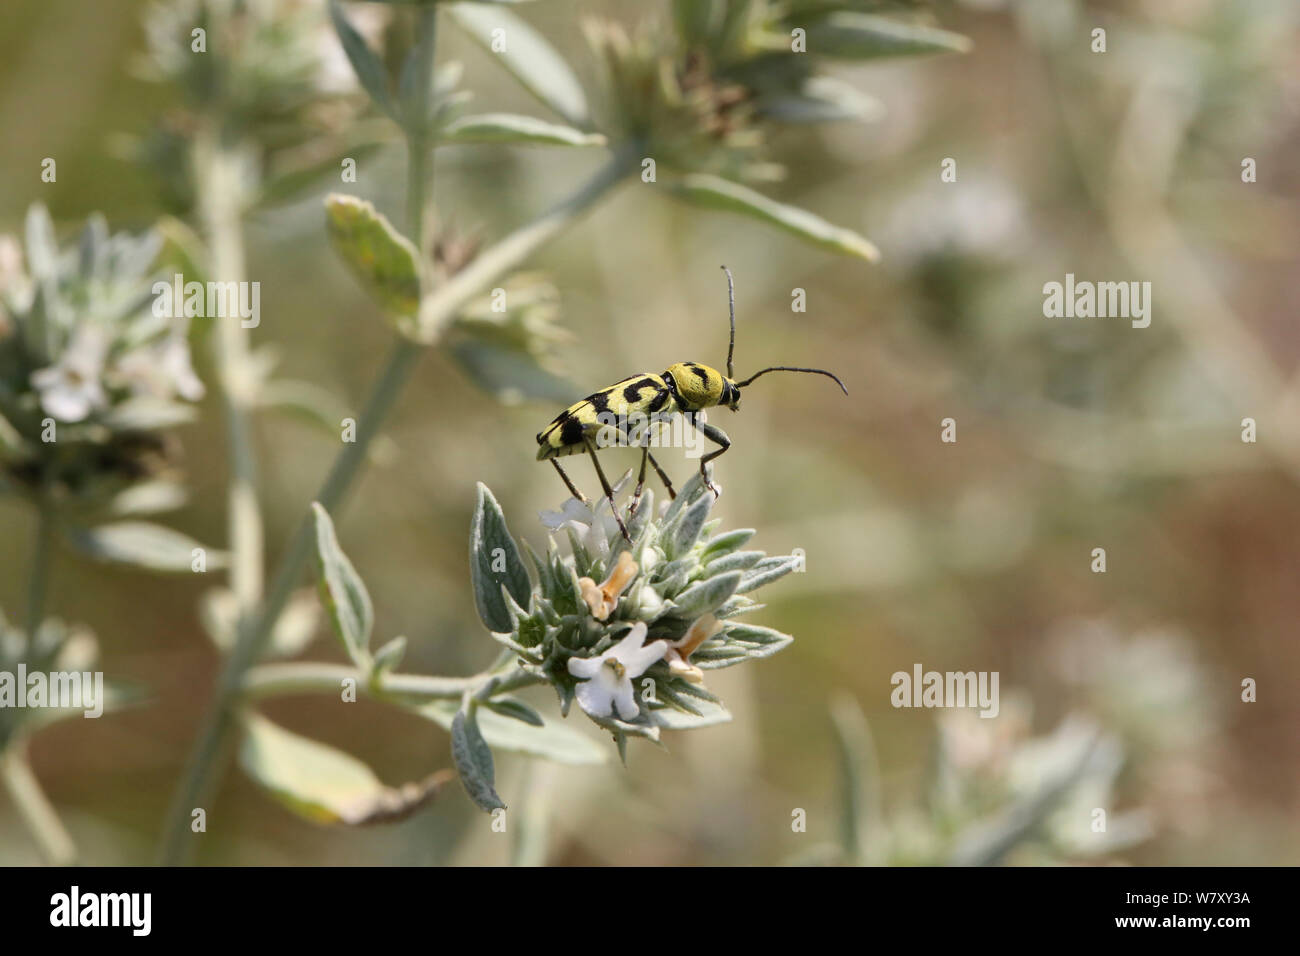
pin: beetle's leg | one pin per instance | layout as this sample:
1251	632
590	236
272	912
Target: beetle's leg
609	492
662	476
569	484
714	434
640	482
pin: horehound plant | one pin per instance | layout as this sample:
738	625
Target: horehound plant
93	382
253	132
628	631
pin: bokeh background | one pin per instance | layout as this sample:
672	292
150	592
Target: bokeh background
1072	435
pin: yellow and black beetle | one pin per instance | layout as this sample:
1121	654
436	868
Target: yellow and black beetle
686	388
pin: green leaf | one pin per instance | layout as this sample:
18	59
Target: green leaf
553	741
711	192
323	784
385	261
705	596
144	545
495	562
854	35
515	710
513	128
365	63
473	759
529	57
341	589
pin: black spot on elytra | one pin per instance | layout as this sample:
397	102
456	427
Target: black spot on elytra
632	392
599	401
571	432
659	401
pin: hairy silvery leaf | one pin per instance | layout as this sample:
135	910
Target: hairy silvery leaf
341	590
473	760
513	128
147	414
706	596
767	571
369	69
143	545
149	497
725	543
495	562
853	35
526	54
515	710
687	530
712	192
740	642
822	99
860	810
710	714
553	741
390	655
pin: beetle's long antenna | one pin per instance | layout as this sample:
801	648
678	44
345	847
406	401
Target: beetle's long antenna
731	302
789	368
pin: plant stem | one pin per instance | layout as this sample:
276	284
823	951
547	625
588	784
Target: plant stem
217	176
39	580
203	766
34	807
280	679
419	170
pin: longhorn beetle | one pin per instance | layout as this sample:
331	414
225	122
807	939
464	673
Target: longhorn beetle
686	388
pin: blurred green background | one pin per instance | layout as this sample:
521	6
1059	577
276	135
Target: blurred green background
1072	435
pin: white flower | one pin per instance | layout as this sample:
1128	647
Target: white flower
70	389
603	599
592	528
607	680
679	652
162	371
174	358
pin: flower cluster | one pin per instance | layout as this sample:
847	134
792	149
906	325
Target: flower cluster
699	96
629	630
275	73
90	376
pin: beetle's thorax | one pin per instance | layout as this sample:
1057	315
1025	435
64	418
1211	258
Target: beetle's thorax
695	386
